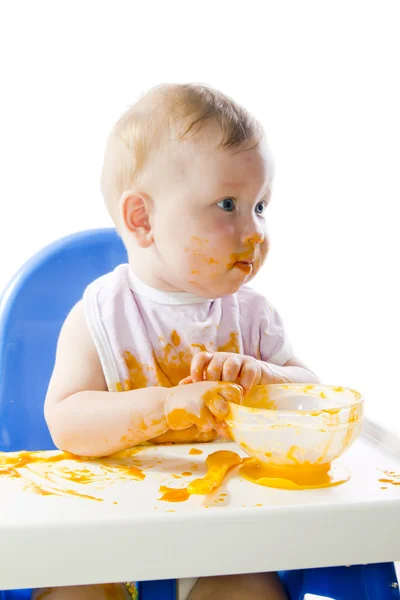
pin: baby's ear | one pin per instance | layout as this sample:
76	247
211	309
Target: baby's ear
134	208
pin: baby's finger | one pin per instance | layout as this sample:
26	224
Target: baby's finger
216	399
249	375
231	369
199	364
186	380
214	369
206	421
223	430
230	391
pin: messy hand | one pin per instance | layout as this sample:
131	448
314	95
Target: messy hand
190	435
203	404
226	366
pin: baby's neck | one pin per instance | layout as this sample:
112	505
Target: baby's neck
160	294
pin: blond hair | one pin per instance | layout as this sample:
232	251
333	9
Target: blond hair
182	109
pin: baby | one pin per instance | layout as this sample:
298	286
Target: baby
156	348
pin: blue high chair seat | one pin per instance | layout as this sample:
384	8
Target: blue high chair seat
32	310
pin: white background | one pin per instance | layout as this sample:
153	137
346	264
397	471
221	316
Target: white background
322	76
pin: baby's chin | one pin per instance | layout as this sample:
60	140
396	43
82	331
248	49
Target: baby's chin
217	289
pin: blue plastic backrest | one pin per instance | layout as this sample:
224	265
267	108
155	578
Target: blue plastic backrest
32	310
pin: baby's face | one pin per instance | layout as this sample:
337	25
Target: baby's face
209	215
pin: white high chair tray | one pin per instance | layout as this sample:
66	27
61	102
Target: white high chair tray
68	540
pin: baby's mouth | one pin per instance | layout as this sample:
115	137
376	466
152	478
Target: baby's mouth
245	266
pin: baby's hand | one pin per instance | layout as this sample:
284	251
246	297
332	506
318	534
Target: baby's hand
203	404
226	366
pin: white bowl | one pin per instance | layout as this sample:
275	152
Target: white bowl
288	425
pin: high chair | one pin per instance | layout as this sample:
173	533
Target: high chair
32	310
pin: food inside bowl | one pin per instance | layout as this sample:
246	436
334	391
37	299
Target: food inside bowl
294	432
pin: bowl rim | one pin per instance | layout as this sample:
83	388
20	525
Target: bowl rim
359	400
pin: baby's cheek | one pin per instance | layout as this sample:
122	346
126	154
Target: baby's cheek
203	258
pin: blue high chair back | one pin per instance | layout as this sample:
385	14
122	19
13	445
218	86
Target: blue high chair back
32	310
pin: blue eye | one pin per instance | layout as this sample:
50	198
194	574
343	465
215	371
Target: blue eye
260	208
227	204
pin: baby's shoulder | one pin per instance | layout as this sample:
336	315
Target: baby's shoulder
110	282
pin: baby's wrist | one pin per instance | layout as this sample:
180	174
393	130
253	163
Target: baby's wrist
273	374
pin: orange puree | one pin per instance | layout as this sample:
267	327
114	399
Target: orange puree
11	466
195	451
180	418
390	477
296	477
173	494
219	463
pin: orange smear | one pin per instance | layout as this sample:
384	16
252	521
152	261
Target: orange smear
259	397
232	345
171	362
195	451
174	495
173	365
137	376
294	478
391	477
219	463
175	339
200	347
78	495
11	465
179	418
24	458
132	472
184	436
245	267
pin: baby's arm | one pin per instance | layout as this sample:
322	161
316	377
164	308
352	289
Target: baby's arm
294	371
83	417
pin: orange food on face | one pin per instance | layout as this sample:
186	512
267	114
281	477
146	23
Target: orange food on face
245	267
